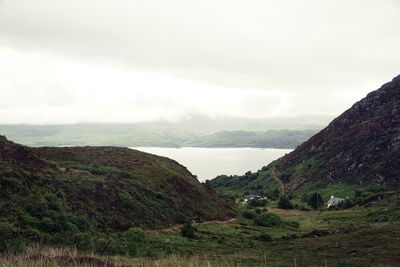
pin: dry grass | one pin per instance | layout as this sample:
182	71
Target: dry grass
62	257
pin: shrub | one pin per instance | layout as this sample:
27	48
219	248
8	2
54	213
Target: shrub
134	238
126	200
248	214
284	203
188	230
265	237
267	220
135	234
8	238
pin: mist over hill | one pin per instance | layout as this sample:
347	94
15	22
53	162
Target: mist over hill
194	131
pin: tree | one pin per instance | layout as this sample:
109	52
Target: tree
275	194
134	239
347	204
316	201
304	197
267	220
284	203
257	202
188	230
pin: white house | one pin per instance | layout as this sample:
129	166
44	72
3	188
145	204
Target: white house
333	201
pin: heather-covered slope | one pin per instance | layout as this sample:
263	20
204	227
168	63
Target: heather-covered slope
157	190
361	146
65	195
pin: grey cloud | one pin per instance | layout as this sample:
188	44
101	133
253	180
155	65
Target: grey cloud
257	37
314	47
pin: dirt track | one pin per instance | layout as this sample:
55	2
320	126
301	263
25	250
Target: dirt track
275	175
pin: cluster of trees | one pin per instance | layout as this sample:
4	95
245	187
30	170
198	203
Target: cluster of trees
315	202
267	219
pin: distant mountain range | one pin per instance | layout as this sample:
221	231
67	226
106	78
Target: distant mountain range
268	139
360	147
196	131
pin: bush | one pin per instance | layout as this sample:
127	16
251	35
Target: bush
134	238
248	214
265	237
284	203
188	230
267	220
135	234
8	238
126	200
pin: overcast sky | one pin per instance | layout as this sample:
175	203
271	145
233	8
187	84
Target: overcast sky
126	60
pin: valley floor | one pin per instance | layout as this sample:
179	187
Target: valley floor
321	238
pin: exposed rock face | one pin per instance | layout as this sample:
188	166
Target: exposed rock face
360	146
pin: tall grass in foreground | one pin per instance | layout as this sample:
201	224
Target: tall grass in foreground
55	257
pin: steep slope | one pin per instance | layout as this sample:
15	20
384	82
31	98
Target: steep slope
160	189
360	147
61	194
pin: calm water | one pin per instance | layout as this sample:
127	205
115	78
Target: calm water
207	163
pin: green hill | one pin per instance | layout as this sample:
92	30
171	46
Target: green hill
66	195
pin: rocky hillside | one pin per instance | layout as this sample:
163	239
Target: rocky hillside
53	194
361	146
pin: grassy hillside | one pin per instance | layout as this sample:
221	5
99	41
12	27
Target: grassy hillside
91	197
